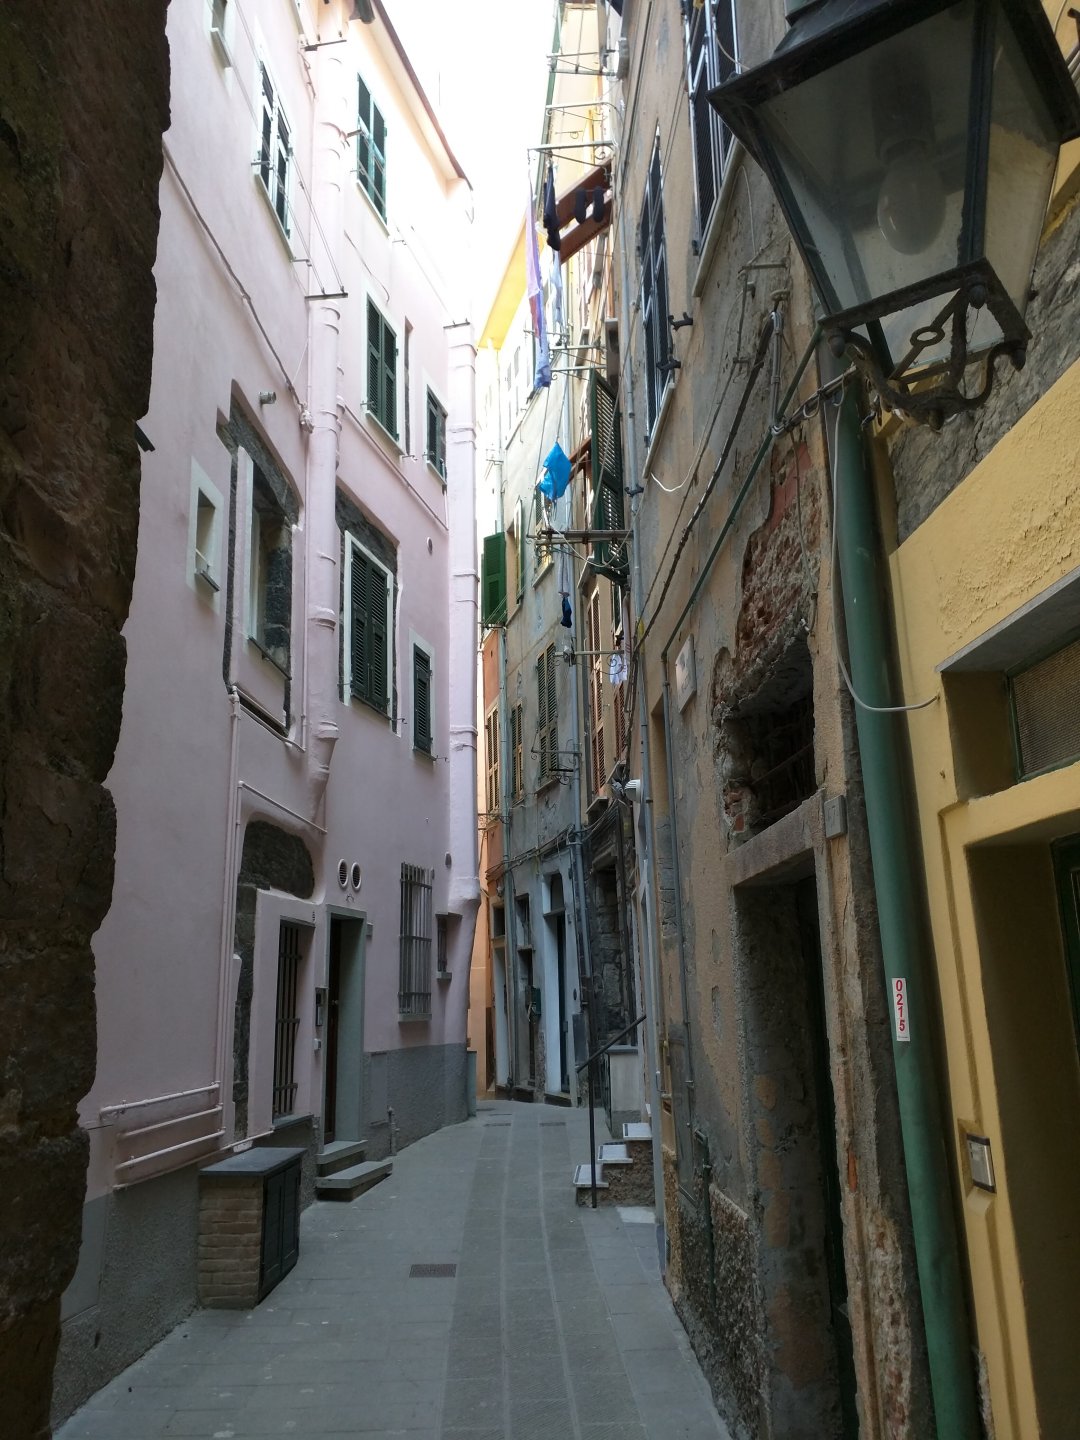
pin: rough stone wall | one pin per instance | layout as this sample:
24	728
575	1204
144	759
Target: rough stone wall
927	467
83	102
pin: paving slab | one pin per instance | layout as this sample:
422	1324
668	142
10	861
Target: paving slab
556	1325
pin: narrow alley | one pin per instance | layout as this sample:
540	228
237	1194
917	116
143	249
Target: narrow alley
556	1323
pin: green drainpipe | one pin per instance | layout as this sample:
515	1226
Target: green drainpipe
894	849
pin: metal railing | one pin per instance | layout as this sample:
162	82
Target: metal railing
591	1062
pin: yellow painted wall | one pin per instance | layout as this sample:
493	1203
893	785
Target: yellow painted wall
1008	532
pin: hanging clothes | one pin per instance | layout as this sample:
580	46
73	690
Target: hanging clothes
535	292
617	669
556	473
554	239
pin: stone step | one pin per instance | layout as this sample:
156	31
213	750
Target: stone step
637	1130
338	1155
347	1184
583	1177
614	1154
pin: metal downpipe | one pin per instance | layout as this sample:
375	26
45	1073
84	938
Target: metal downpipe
893	850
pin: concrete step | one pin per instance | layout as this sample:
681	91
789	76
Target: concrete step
637	1130
338	1155
347	1184
614	1154
583	1176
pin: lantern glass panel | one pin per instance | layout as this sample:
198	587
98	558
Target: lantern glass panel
902	106
1022	160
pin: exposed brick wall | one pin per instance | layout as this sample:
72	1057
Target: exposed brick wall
83	102
230	1243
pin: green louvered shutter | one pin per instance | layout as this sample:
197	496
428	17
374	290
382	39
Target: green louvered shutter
493	580
378	602
363	138
389	363
605	456
421	700
378	160
359	648
374	361
552	713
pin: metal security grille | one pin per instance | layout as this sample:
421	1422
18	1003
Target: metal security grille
783	745
287	1020
414	983
1046	711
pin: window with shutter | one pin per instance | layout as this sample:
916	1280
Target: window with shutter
519	549
371	148
517	769
414	960
654	291
369	628
542	548
493	580
422	726
711	57
381	371
593	644
275	148
547	711
609	557
491	753
436	435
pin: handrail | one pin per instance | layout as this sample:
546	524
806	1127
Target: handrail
591	1063
612	1042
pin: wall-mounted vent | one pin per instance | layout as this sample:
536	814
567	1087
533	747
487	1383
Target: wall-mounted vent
1047	716
343	873
356	875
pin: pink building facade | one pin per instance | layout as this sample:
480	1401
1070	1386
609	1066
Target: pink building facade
286	958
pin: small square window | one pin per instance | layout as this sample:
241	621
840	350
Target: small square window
206	541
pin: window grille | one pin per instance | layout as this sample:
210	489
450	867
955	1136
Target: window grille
275	149
381	371
710	59
783	747
654	290
369	628
547	710
1045	710
436	434
422	727
491	744
414	981
371	148
287	1019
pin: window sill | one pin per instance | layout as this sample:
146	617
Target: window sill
382	712
269	658
714	229
382	433
436	472
380	219
414	1019
268	201
545	569
652	442
422	754
445	976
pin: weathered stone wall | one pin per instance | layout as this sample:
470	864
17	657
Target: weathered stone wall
83	102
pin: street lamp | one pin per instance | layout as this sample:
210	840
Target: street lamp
912	146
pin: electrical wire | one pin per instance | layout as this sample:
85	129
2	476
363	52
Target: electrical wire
833	564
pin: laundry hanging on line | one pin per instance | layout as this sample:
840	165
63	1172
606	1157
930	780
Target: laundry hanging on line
556	475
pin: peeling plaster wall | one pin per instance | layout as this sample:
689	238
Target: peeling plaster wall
83	102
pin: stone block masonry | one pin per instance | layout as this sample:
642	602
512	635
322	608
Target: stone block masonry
83	102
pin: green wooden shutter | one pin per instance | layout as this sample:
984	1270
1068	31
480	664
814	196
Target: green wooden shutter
374	361
359	648
493	580
552	712
378	160
605	456
378	602
421	700
389	364
363	138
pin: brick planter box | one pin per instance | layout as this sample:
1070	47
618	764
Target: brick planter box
249	1213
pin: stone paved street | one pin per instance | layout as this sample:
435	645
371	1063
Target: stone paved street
556	1325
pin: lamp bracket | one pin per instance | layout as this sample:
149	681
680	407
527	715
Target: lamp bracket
926	400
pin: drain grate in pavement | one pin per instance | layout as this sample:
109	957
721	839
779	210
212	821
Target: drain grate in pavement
432	1272
494	1124
561	1123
